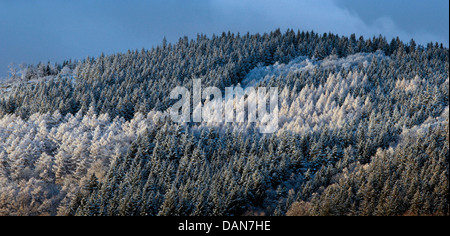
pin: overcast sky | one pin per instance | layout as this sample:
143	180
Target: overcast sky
56	30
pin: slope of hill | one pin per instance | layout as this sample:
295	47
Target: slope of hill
363	130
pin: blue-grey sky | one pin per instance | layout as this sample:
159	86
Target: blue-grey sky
56	30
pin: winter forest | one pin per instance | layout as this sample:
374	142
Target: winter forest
363	130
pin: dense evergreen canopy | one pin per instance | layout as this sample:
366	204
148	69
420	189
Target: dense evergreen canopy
363	131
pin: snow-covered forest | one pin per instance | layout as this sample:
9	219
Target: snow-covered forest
363	130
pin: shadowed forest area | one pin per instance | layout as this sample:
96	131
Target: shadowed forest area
363	130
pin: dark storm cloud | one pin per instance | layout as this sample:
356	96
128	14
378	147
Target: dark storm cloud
55	30
414	17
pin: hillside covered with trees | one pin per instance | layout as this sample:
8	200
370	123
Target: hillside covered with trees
363	130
